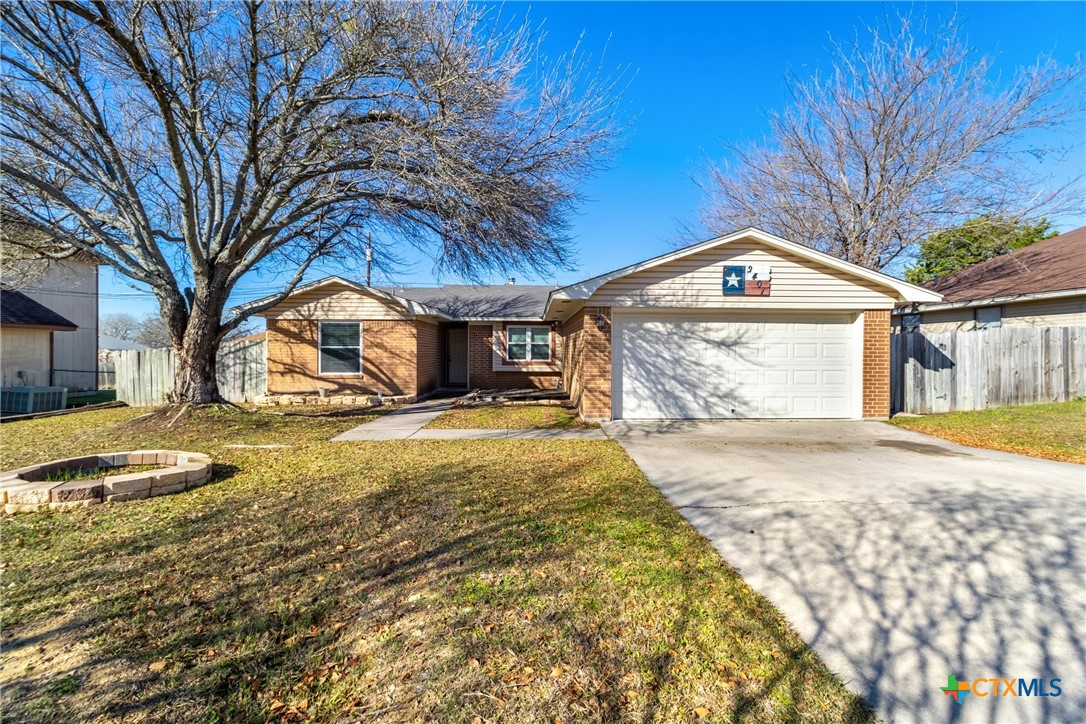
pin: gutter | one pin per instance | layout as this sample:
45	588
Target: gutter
988	301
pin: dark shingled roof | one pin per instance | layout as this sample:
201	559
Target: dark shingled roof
1047	266
18	309
500	301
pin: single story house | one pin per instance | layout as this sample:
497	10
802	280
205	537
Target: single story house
1041	285
29	334
744	325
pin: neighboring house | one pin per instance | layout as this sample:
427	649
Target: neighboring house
70	288
107	343
1041	285
30	333
745	325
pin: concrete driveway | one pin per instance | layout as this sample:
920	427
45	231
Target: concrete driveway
900	558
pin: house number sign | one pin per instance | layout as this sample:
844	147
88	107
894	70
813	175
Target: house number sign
751	280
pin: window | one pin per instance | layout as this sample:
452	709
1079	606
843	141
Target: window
340	348
528	344
989	317
910	322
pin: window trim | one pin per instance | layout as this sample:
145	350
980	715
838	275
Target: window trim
526	362
987	325
320	347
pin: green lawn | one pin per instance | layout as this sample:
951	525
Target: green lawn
1055	431
511	417
93	399
406	580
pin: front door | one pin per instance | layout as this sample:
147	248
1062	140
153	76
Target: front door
457	364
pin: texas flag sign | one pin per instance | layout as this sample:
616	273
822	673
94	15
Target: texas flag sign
751	280
735	278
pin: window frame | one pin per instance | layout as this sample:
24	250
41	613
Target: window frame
998	323
321	346
528	344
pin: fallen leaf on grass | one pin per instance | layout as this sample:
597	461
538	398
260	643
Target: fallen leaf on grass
158	665
701	712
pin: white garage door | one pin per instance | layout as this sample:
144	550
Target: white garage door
717	366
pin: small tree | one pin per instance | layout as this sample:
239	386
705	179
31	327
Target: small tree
977	240
901	139
189	144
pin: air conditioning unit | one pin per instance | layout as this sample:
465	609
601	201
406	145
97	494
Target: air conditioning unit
24	400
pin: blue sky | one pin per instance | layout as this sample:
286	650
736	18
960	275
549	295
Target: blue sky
702	73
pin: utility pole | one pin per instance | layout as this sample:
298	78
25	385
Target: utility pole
369	258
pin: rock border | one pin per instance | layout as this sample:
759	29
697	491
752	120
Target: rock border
333	400
26	490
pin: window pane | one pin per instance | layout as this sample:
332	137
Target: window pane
517	335
989	317
340	360
541	351
335	334
517	351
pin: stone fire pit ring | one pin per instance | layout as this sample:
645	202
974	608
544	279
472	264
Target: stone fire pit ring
29	488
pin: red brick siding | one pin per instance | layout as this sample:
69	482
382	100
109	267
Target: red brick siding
389	350
429	356
876	361
572	333
596	364
481	373
586	363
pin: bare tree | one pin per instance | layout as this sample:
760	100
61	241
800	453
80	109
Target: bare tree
120	325
900	140
188	144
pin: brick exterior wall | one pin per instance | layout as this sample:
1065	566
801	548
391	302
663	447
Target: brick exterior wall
572	333
876	360
430	357
481	373
389	354
586	362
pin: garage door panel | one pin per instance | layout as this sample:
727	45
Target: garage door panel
834	351
719	368
832	378
805	377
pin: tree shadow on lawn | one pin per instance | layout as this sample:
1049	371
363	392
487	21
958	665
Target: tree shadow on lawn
433	588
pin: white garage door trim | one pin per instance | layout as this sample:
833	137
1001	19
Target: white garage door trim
836	384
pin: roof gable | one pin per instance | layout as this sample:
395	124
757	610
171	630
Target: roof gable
903	291
318	292
695	281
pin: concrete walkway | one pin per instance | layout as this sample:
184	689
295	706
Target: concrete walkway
592	434
409	421
399	424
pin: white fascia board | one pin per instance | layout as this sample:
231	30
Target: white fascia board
990	301
907	292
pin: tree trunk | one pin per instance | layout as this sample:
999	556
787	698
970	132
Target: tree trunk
195	381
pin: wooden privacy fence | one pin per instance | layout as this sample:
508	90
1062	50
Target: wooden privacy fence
949	371
145	377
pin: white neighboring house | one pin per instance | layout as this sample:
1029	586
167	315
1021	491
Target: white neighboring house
69	288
